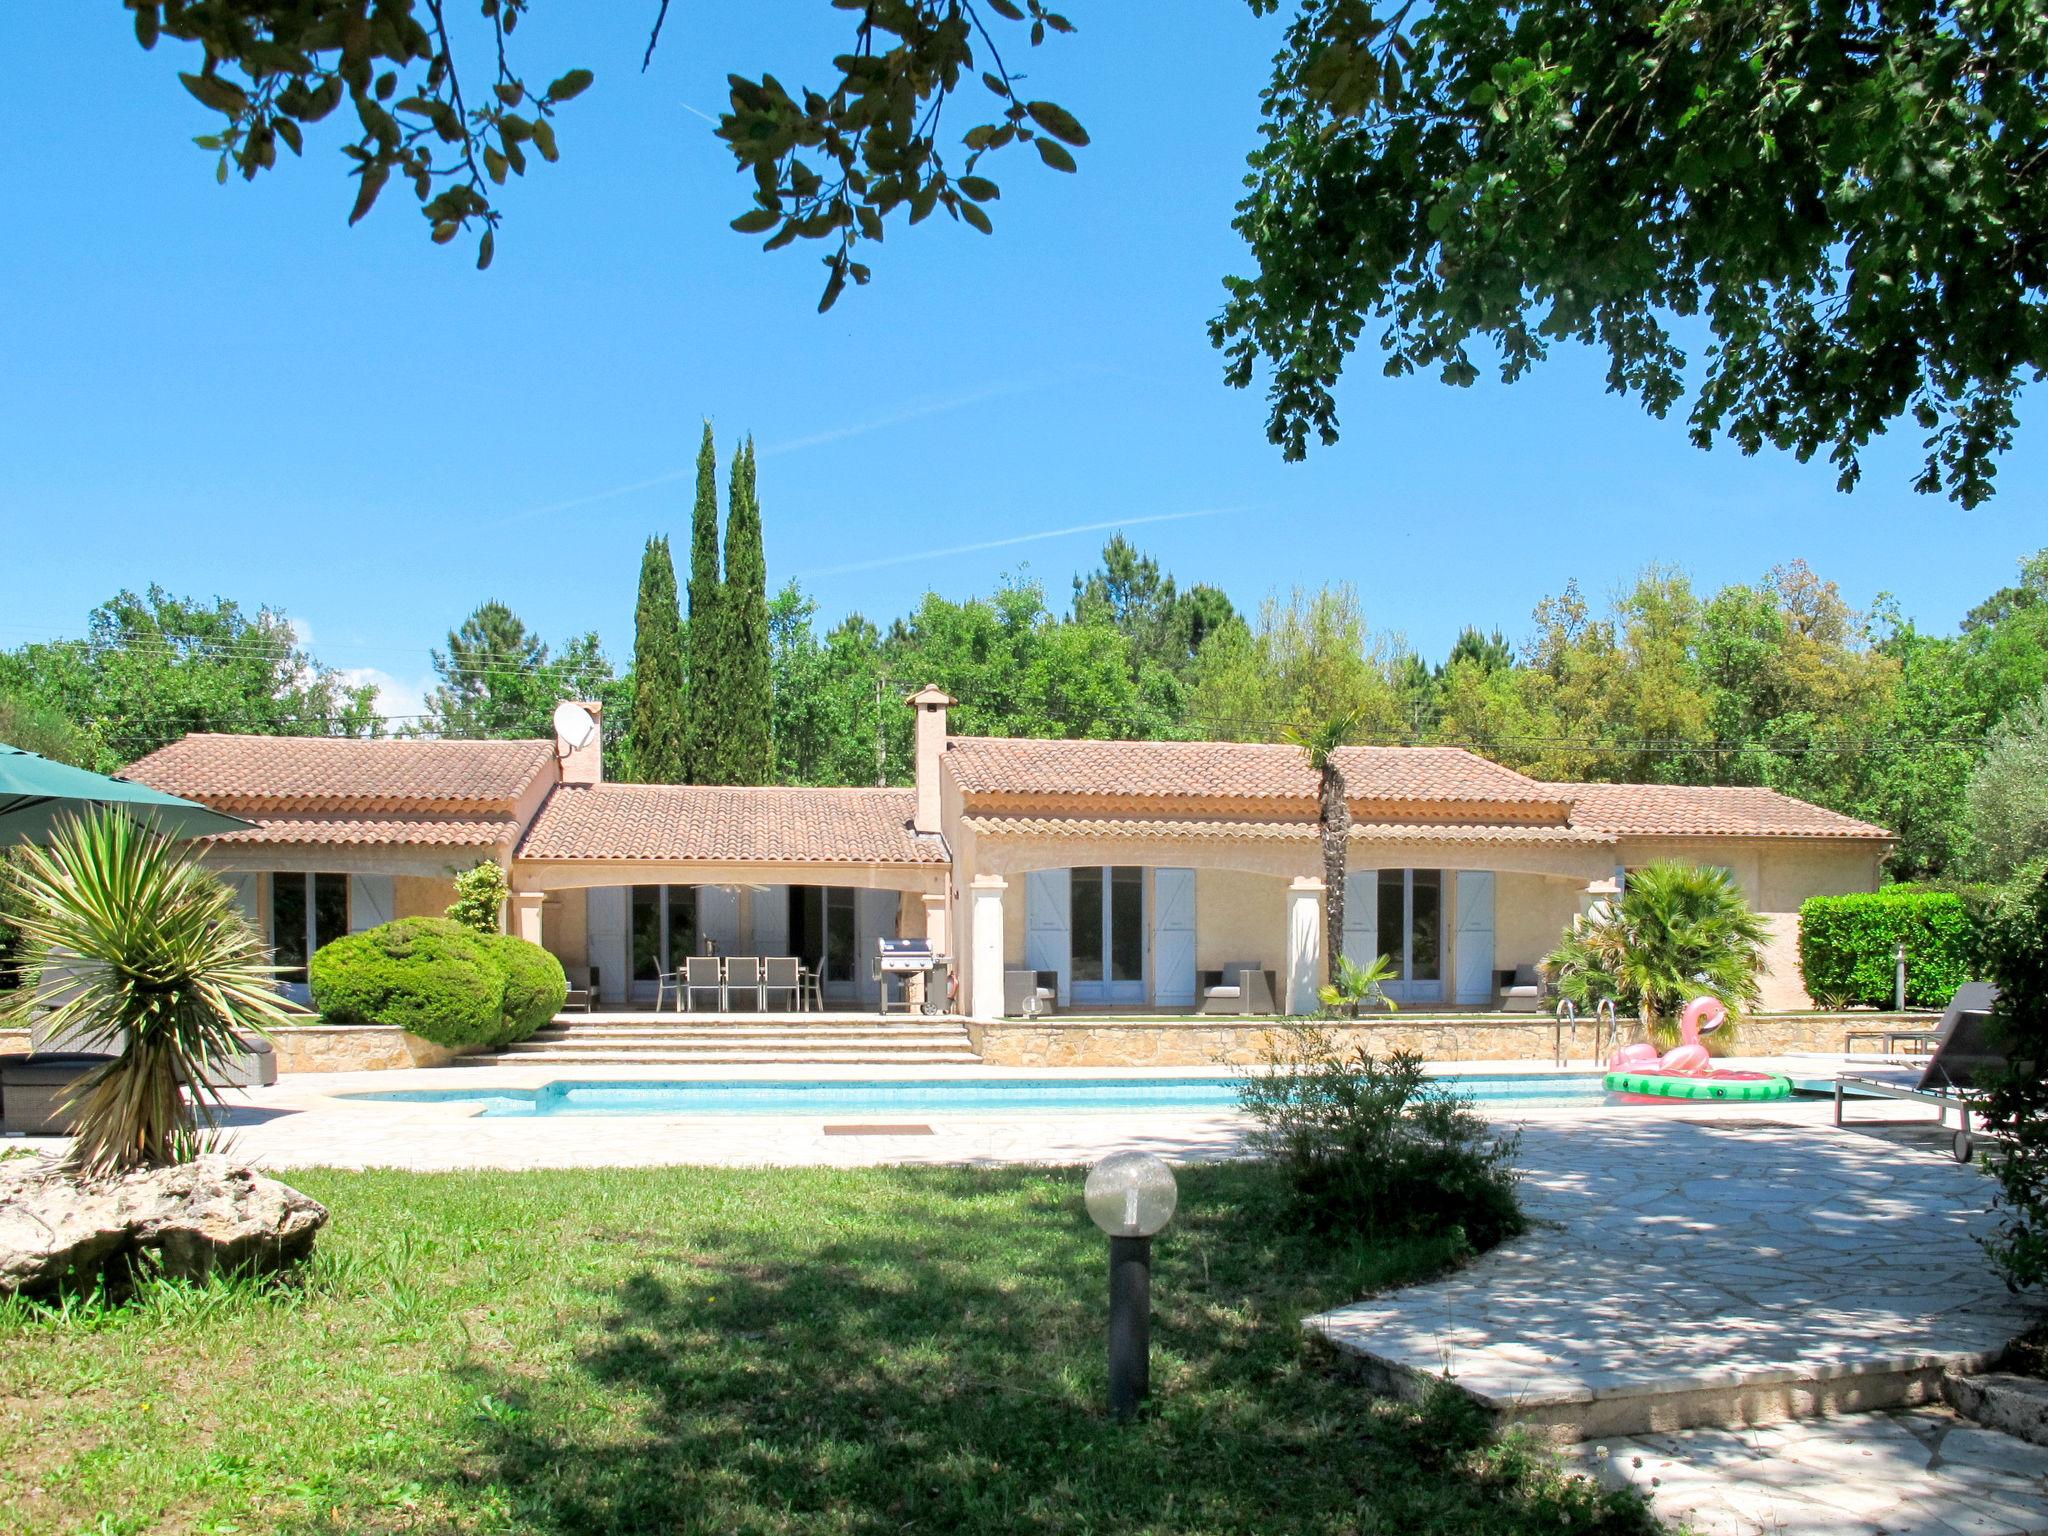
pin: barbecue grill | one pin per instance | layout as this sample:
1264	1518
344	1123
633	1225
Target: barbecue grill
903	959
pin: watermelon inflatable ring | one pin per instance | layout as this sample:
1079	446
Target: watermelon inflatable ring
1654	1087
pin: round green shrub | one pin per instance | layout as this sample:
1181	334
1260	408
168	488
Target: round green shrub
1848	946
535	985
426	975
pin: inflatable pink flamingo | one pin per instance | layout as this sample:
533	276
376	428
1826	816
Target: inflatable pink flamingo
1702	1016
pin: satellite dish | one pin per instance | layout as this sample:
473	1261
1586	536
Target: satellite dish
573	726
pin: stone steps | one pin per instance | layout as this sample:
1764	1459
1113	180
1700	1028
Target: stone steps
856	1039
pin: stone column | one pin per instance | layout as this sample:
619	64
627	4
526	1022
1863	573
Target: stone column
1304	972
985	930
526	907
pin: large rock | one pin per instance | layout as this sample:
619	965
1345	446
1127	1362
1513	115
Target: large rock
197	1218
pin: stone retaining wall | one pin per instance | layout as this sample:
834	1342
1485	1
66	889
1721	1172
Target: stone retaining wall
354	1048
1181	1042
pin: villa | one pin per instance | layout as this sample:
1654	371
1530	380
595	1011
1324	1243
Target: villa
1119	872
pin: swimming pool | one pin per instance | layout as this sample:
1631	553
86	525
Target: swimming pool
972	1096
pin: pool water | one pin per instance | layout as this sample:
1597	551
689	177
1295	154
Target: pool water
973	1096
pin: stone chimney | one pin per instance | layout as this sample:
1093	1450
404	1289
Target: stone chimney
931	703
580	763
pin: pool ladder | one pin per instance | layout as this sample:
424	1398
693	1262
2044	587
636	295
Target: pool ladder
1603	1022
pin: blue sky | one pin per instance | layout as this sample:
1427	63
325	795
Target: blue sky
226	390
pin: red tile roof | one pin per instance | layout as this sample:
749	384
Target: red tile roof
1233	770
342	773
349	830
1685	810
1204	829
707	824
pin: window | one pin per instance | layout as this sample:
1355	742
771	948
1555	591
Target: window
307	912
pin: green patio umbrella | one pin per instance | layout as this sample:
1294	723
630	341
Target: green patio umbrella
35	792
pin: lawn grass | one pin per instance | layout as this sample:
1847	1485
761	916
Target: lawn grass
701	1350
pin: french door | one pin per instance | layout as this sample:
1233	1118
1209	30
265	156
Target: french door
664	933
307	913
823	934
1107	906
1411	933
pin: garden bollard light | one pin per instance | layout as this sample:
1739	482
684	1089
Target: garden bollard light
1131	1196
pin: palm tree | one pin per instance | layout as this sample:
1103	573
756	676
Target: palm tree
1678	931
1322	743
139	951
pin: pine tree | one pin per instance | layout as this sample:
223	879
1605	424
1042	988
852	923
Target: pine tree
710	705
660	688
746	676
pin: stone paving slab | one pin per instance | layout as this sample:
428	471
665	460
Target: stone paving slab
1924	1472
1706	1272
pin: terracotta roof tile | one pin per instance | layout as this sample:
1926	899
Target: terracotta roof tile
1461	833
1689	810
706	824
348	830
339	773
1232	770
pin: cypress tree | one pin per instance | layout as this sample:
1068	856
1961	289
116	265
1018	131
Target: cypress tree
710	708
746	676
660	688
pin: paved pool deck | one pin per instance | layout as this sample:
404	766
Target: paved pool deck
1690	1265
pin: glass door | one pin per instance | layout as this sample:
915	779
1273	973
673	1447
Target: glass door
1411	933
1107	908
822	935
307	912
664	933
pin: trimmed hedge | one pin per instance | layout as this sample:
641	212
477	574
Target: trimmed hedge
426	975
1848	946
535	985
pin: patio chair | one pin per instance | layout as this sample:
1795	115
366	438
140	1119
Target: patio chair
1966	1060
743	978
582	993
1028	994
812	980
703	973
782	974
1242	986
1971	997
1523	992
666	982
36	1085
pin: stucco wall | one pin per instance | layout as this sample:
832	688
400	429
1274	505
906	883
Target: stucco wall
1530	914
565	928
1775	877
421	896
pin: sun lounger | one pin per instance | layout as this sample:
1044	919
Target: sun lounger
1964	1063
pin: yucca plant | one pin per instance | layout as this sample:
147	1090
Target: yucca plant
1678	931
138	951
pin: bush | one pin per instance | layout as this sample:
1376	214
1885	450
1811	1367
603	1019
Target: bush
1848	946
1373	1143
535	986
480	895
427	975
2015	949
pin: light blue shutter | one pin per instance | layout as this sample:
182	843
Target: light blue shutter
1362	917
1475	936
1173	938
718	918
769	905
874	919
244	887
606	950
372	902
1049	924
